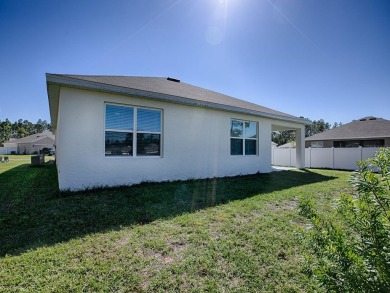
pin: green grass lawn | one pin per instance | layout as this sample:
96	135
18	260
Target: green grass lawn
231	234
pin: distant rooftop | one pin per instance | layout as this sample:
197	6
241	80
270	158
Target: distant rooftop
363	128
33	137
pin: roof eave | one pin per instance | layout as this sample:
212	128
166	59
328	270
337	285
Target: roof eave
55	81
53	94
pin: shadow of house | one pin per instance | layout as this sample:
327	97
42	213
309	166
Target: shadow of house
34	214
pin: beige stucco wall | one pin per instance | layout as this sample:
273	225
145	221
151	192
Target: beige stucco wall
195	144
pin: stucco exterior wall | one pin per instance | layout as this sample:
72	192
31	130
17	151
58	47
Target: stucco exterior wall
195	144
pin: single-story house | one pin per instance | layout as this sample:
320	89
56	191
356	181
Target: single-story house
365	132
288	145
134	129
31	144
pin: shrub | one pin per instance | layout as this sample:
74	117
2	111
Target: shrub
354	254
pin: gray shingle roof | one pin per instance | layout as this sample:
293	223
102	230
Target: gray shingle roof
33	137
164	89
364	128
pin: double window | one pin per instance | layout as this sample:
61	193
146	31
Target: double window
243	137
132	131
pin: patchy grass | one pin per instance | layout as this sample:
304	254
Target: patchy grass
229	234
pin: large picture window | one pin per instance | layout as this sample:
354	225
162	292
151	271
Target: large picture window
132	131
243	138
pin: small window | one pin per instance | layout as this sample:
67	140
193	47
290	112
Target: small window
373	143
352	144
243	137
121	139
317	144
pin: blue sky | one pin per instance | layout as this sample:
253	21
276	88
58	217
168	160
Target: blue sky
318	59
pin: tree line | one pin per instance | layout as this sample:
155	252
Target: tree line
317	126
21	128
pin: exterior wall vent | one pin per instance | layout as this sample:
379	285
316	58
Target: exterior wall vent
173	79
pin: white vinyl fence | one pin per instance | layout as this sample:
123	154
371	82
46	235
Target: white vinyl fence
7	151
332	158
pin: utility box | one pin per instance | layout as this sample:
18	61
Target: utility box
38	160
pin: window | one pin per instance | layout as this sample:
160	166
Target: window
243	138
119	130
132	131
317	144
148	132
352	144
339	144
373	143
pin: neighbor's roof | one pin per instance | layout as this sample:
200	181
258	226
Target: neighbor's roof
33	137
364	128
158	88
289	145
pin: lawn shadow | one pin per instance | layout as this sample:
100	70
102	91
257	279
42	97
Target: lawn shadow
33	213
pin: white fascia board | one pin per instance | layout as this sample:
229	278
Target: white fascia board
82	84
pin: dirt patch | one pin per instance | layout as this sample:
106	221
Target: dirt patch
122	242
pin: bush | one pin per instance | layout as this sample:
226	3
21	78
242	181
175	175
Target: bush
354	255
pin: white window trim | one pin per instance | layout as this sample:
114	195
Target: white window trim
243	138
134	131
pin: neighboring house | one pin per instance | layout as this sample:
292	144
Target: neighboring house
365	132
287	145
31	144
134	129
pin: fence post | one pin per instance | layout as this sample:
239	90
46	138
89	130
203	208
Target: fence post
309	157
289	153
332	157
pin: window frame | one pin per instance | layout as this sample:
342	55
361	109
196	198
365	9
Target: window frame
134	132
243	138
318	144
